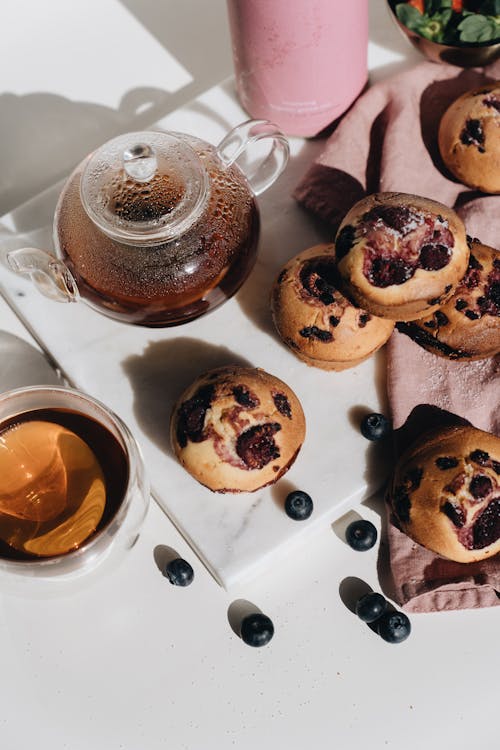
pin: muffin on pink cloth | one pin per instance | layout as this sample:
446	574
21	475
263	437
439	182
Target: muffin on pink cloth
468	326
401	256
469	138
445	493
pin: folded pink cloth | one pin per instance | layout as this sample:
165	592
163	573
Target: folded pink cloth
386	142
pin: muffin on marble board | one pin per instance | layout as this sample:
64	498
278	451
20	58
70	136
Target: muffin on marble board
316	321
237	429
469	138
445	493
467	327
400	256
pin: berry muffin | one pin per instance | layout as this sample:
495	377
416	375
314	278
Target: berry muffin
445	493
469	138
237	429
316	321
468	325
401	256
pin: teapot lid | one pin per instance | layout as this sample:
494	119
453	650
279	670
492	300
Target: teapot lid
144	188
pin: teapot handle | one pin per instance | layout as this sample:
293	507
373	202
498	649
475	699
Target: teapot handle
51	277
268	169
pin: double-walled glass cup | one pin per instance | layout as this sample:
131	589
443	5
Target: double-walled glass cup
74	421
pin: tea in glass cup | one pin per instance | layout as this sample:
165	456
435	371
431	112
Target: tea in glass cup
72	482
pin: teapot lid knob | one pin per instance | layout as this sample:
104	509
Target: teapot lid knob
144	188
140	162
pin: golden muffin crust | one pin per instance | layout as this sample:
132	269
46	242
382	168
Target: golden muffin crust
469	138
312	316
468	325
401	256
237	429
445	493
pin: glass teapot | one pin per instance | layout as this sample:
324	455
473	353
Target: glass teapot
157	228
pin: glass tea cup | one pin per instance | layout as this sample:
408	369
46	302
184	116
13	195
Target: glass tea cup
73	489
157	228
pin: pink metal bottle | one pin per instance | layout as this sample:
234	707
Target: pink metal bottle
299	63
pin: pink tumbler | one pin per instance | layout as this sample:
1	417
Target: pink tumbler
299	63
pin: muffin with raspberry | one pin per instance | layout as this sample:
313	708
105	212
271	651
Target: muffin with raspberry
237	429
445	493
401	256
469	138
468	325
319	324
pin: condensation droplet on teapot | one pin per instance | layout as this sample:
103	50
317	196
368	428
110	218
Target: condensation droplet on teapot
161	281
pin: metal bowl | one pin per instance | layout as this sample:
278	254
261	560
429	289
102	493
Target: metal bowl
465	55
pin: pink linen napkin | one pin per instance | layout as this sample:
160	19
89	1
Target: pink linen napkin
386	142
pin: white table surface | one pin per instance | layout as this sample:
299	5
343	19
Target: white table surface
125	660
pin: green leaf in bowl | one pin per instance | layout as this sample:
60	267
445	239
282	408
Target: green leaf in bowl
477	28
409	16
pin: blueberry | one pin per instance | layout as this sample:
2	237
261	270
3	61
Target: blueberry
370	606
298	505
375	426
256	629
179	572
394	627
361	535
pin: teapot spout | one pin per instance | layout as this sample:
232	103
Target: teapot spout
50	276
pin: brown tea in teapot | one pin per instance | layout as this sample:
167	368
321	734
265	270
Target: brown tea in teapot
157	228
167	282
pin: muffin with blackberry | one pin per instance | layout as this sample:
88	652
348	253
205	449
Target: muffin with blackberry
469	138
445	493
319	324
401	256
468	325
237	429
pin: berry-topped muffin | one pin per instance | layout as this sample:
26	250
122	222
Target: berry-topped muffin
401	256
469	138
237	429
468	325
445	493
319	324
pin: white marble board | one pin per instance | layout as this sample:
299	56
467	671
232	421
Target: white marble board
139	372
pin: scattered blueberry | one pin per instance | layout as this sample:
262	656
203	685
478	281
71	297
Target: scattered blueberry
370	606
394	627
361	535
179	572
375	426
256	629
298	505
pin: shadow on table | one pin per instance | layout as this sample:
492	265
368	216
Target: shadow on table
286	229
237	611
195	33
21	365
45	135
37	157
162	372
37	153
